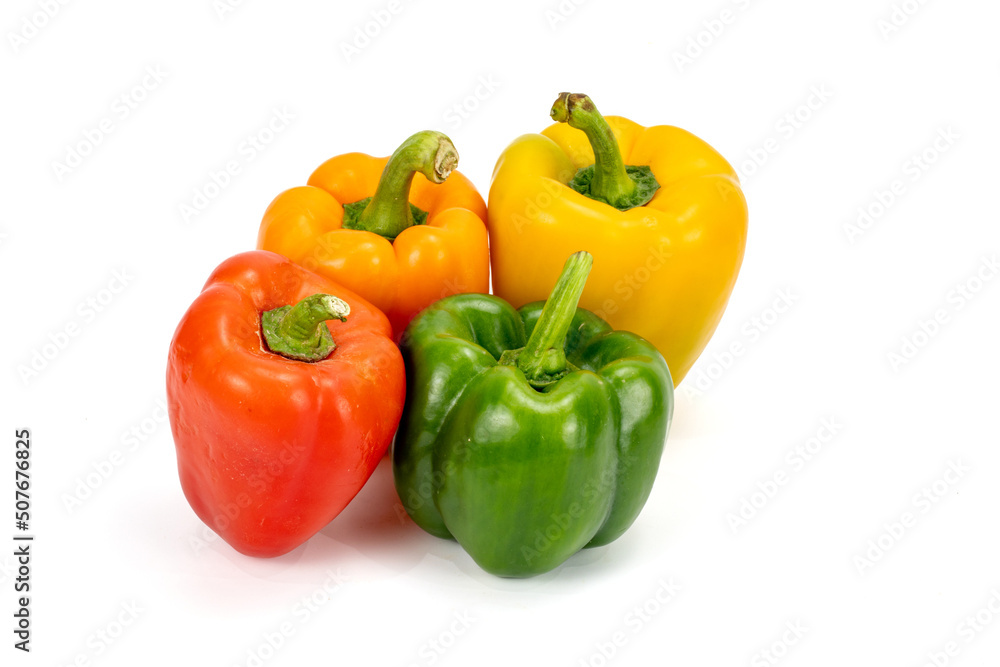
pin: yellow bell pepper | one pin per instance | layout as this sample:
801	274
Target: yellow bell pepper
659	209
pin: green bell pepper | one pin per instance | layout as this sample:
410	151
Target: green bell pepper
528	435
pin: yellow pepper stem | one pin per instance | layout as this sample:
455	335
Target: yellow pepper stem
609	180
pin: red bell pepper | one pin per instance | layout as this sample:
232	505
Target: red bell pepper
275	433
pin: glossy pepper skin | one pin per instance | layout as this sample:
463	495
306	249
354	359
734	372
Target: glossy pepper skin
525	473
394	261
270	449
664	269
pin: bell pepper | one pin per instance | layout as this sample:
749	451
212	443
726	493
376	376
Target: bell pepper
279	417
528	435
661	211
398	239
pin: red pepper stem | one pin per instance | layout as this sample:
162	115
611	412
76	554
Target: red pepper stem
300	332
611	183
388	213
544	355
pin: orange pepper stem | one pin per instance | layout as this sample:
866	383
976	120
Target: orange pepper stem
299	332
609	180
543	357
389	211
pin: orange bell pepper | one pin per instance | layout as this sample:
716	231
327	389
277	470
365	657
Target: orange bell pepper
402	231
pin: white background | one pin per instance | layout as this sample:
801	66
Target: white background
394	595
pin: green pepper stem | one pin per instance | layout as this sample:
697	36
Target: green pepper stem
611	183
388	213
300	332
544	355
